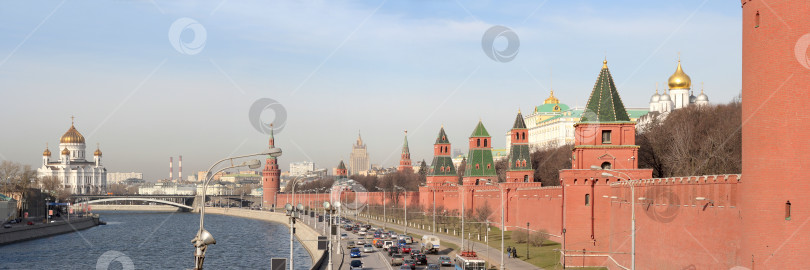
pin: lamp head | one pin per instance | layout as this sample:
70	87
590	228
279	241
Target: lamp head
300	207
203	238
274	152
594	167
326	205
254	164
607	174
288	207
700	198
337	204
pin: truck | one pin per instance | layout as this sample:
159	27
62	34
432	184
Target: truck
430	244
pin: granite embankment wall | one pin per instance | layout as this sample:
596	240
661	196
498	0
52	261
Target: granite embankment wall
122	207
22	232
305	234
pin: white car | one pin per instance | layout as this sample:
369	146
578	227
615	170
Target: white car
361	233
344	236
367	248
408	240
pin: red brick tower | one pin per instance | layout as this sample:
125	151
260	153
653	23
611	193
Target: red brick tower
405	158
520	162
270	177
442	171
775	79
341	171
605	138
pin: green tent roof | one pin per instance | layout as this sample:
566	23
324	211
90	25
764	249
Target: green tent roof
519	123
480	130
442	138
605	105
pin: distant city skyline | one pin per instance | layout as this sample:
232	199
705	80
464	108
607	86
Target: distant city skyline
147	90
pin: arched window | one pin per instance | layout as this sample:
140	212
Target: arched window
606	165
523	134
517	136
478	142
476	166
526	178
489	165
485	142
787	210
587	199
756	20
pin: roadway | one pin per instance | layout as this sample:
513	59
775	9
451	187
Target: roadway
378	259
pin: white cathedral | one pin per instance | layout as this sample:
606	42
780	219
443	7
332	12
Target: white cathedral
680	96
72	169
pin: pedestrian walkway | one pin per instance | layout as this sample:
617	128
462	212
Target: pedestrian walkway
493	256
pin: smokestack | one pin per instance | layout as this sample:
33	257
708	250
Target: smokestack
180	165
171	170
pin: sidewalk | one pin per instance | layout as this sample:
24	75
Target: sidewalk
493	257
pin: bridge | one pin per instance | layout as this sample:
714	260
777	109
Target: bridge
182	206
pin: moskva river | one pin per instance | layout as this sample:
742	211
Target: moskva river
157	240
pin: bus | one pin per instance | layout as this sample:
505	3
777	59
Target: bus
468	260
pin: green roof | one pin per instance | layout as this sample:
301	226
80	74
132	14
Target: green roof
405	149
519	123
342	166
438	163
605	105
550	107
482	157
480	130
442	138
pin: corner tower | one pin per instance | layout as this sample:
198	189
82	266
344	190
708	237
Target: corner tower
442	171
775	76
270	177
479	159
520	162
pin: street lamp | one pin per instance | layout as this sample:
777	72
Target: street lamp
406	207
503	224
633	211
527	240
203	237
383	199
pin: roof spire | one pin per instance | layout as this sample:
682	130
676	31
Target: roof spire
656	88
605	104
71	120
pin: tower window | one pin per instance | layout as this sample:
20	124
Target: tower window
587	199
485	142
526	178
606	165
756	20
478	142
787	210
605	136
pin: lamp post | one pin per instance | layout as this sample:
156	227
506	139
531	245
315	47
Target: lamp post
632	211
527	242
383	199
203	237
290	207
406	207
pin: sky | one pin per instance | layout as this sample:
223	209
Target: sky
149	80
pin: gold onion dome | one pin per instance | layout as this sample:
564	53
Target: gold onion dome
72	136
65	152
679	79
97	152
552	99
46	153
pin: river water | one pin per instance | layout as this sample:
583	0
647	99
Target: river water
158	240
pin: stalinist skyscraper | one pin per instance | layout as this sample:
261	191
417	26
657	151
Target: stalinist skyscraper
358	160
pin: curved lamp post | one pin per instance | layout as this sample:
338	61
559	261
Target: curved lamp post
203	237
632	207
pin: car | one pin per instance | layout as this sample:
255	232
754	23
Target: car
361	242
405	250
445	261
363	233
408	239
355	253
404	267
344	236
7	226
433	266
397	259
410	263
392	251
420	259
387	244
367	248
356	265
415	252
401	243
350	245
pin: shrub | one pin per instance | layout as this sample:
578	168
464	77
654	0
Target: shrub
538	238
519	236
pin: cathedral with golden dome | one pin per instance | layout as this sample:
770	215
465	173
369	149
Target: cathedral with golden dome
72	168
680	94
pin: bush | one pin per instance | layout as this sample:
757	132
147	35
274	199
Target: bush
519	236
538	238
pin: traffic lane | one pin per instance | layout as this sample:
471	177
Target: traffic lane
431	258
371	260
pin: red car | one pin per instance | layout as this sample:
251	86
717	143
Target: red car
405	250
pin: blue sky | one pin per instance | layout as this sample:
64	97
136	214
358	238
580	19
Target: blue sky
337	67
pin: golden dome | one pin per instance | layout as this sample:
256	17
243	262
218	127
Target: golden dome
65	152
46	153
97	152
679	79
551	99
72	136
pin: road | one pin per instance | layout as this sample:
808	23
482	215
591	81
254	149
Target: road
378	259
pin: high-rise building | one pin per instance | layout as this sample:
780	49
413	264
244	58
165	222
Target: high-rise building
301	168
358	159
118	177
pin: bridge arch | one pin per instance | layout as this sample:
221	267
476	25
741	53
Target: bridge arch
140	199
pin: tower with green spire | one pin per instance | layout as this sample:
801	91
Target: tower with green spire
520	163
271	176
341	171
442	171
405	157
480	166
605	136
